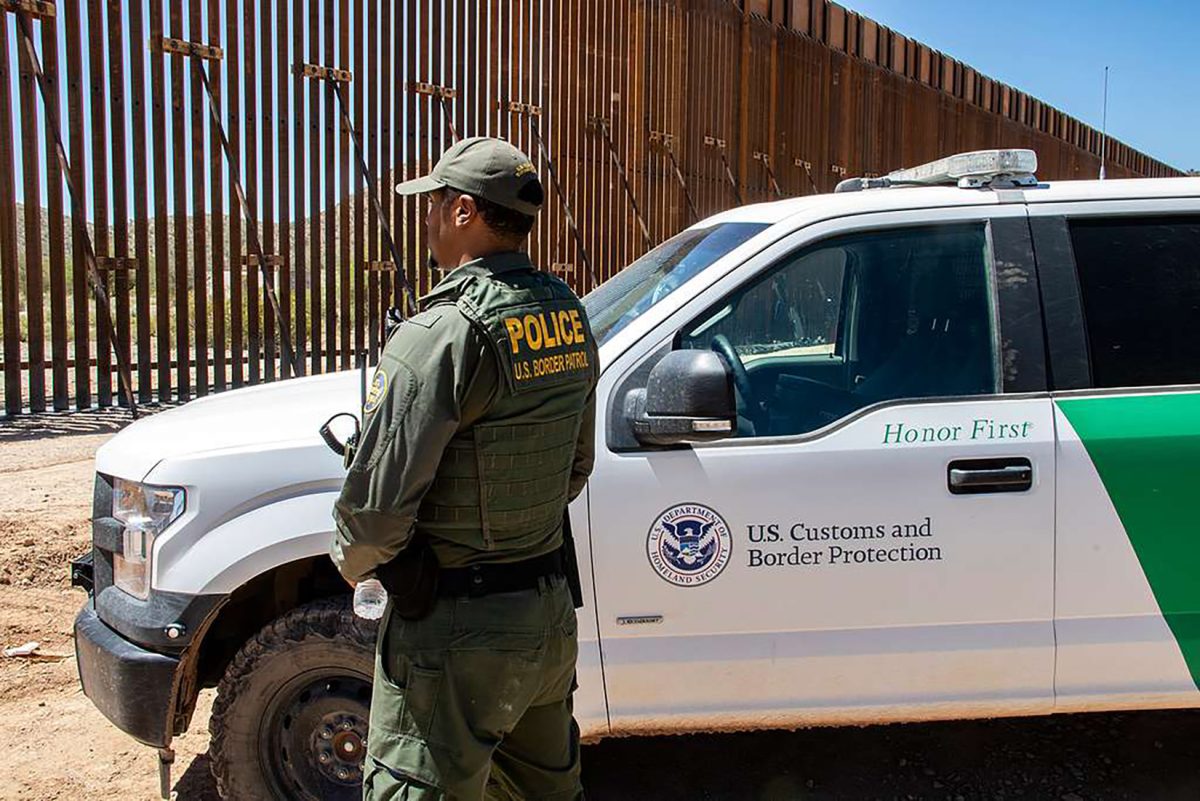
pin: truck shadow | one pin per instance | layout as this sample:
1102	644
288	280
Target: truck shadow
1148	756
51	425
1144	755
197	783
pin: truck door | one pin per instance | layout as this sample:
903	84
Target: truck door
877	542
1121	282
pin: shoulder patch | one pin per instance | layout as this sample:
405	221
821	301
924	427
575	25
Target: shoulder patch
376	392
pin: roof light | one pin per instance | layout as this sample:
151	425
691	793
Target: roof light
969	170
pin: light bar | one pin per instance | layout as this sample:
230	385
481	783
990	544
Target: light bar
972	169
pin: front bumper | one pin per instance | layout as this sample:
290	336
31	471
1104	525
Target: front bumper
134	688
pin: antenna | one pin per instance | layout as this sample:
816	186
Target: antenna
1104	127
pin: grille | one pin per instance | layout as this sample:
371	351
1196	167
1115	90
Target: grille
106	532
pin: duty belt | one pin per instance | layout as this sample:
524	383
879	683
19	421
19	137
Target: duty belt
487	579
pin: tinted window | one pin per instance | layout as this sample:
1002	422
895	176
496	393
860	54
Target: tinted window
857	320
1140	283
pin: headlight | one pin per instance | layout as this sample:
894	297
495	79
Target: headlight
146	512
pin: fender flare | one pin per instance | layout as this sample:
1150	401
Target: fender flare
251	544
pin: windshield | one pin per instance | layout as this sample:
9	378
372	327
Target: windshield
616	302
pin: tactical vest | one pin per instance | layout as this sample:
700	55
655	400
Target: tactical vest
502	484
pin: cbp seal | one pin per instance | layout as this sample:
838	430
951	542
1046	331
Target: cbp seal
689	545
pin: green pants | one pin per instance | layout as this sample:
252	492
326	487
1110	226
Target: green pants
474	701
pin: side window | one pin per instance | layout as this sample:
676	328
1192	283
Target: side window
852	321
1139	279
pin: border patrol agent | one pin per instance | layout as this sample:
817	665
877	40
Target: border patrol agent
477	431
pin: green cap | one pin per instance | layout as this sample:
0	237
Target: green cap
487	168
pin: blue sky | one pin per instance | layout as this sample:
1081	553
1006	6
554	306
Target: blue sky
1056	50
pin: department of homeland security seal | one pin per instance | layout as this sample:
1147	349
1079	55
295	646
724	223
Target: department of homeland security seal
689	545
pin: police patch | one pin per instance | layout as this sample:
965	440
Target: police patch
547	345
689	545
376	392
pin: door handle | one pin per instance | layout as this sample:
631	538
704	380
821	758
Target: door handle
975	476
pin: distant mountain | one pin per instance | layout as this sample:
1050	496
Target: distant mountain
319	220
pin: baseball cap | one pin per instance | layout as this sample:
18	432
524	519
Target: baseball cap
487	168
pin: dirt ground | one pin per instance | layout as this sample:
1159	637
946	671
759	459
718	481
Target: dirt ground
60	747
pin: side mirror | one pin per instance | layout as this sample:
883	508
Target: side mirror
688	398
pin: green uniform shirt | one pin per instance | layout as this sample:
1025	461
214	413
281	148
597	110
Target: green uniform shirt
438	376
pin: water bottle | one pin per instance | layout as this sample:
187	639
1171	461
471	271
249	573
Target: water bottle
370	598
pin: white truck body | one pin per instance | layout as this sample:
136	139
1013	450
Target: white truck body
1023	603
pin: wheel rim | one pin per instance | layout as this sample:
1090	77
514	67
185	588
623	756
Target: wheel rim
314	737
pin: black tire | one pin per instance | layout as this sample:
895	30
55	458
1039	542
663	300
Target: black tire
290	717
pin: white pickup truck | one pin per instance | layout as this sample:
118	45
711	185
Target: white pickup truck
961	481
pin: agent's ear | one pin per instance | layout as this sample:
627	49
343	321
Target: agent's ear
464	211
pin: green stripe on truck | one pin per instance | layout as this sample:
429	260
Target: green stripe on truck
1146	449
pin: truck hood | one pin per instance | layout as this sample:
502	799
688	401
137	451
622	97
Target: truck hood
289	411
